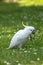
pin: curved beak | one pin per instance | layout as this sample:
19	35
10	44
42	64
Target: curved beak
33	32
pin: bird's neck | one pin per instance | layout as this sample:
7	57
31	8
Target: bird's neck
27	32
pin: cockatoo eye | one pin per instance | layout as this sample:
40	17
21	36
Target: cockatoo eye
31	30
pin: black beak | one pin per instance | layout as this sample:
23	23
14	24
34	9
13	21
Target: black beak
33	32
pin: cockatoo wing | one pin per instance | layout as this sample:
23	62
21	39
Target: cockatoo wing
17	39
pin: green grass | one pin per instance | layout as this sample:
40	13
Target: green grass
11	17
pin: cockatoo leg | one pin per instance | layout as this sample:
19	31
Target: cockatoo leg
30	37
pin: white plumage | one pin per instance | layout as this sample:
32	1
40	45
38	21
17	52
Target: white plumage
21	37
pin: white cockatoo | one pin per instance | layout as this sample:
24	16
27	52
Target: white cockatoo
21	37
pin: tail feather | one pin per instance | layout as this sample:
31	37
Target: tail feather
8	48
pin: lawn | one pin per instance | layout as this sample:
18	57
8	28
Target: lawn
11	17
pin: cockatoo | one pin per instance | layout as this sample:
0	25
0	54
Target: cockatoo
21	37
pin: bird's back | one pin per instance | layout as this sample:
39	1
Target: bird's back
16	38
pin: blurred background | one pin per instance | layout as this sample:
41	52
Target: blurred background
25	2
12	14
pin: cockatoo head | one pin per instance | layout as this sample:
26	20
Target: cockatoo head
30	29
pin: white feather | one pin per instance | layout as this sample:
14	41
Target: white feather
21	37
